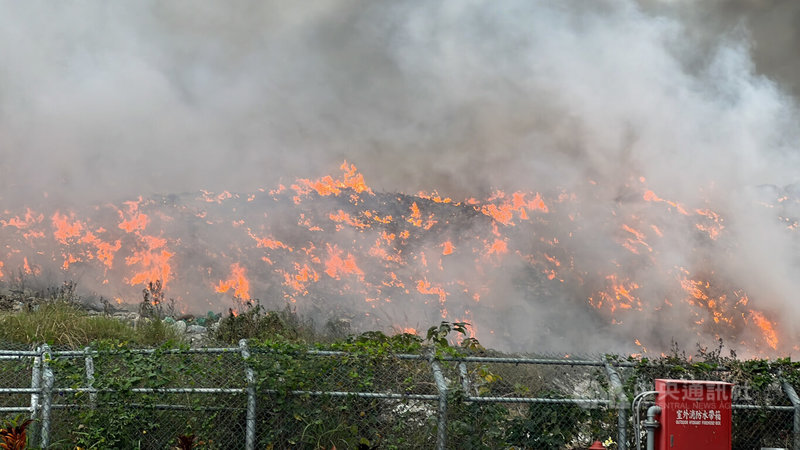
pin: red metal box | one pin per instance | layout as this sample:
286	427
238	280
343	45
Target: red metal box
694	415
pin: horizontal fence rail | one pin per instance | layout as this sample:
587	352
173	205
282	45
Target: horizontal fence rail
249	397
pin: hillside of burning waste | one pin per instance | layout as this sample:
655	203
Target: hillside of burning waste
532	271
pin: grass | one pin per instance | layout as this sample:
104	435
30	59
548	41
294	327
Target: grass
55	315
64	324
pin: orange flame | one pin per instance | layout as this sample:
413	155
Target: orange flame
65	227
336	266
155	264
342	216
447	248
425	287
650	196
504	211
105	251
268	242
619	294
31	218
237	281
328	185
137	222
767	328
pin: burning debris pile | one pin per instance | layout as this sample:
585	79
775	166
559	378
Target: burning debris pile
515	265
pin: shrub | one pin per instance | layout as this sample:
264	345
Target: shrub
255	322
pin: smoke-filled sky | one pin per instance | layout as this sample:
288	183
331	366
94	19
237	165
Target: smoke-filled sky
105	101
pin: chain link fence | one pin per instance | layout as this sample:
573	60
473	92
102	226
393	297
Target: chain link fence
268	396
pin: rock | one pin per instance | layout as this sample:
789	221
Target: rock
197	335
131	318
126	315
196	329
180	326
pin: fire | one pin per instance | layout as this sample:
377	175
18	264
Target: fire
341	216
767	328
713	226
301	278
425	287
651	196
105	250
328	185
65	227
503	212
335	242
700	294
210	197
447	248
267	242
156	266
618	294
336	265
153	259
416	218
498	247
137	222
237	282
30	219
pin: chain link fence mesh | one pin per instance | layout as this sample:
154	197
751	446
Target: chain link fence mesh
117	397
145	399
761	427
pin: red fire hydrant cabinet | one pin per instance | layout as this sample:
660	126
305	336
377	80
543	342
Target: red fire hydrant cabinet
694	415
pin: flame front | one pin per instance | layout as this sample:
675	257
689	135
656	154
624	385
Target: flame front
332	243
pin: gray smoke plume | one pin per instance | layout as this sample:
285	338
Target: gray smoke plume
106	101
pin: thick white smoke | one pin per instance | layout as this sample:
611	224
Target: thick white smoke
106	101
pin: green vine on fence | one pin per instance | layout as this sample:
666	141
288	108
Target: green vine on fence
309	395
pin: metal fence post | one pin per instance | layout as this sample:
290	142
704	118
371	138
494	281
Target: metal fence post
441	386
788	389
36	382
250	427
620	401
47	396
89	364
462	373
